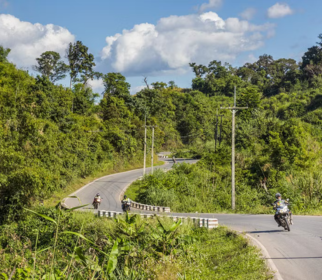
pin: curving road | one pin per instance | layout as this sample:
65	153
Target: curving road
297	254
112	186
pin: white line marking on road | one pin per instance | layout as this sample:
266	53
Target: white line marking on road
277	275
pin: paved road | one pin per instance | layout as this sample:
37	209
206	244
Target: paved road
296	254
110	188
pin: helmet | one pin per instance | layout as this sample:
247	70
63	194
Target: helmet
278	195
125	196
97	194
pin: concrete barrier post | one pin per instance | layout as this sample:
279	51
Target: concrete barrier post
212	223
112	214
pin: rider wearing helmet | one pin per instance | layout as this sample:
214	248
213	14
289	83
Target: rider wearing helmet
97	198
276	204
125	201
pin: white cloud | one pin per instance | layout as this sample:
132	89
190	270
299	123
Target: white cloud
251	58
279	10
96	85
175	41
28	41
210	5
135	90
248	14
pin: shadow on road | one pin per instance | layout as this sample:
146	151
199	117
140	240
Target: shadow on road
266	231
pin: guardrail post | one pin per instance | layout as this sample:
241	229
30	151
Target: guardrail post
212	223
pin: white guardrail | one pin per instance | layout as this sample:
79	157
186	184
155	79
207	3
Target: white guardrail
199	222
150	207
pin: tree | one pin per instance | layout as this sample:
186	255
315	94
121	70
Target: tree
172	84
50	66
81	63
159	85
4	54
312	57
115	85
199	70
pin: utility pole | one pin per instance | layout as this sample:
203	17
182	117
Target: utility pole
233	109
152	150
144	164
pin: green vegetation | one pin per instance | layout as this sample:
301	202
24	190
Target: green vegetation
193	188
278	139
50	244
52	137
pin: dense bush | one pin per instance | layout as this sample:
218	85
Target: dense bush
64	245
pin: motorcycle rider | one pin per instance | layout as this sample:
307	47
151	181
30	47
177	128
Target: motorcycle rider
125	201
277	204
97	199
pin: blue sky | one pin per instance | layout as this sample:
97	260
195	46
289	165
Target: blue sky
161	50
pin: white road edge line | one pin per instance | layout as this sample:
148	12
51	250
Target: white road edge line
277	274
110	175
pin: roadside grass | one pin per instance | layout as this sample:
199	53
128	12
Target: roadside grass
133	191
78	183
189	189
84	246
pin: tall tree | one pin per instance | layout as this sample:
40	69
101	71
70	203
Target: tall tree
50	66
199	70
81	63
116	85
4	54
172	84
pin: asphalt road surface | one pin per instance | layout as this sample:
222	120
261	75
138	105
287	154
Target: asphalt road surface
111	187
296	254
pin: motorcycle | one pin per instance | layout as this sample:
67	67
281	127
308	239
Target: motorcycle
284	215
96	202
126	206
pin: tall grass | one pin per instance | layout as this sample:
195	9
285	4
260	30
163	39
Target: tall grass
88	247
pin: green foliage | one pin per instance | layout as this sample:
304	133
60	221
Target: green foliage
81	63
3	54
50	66
88	247
50	135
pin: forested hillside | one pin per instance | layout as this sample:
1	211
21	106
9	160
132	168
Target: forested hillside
51	134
